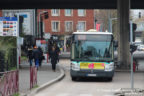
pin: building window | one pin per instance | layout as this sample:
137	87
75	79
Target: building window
55	26
81	12
55	12
81	26
69	26
68	12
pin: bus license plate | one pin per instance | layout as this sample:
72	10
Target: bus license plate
92	75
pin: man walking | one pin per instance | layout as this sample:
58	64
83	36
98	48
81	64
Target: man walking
36	55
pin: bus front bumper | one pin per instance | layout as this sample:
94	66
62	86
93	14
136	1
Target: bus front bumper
92	73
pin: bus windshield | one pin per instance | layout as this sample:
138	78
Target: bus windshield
93	50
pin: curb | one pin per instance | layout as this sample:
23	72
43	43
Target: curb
42	87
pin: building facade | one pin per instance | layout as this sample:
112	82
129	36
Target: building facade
61	23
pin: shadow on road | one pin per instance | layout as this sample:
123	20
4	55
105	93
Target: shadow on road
92	79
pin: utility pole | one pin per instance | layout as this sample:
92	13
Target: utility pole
131	42
111	24
40	20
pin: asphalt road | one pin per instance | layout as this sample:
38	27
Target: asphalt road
91	87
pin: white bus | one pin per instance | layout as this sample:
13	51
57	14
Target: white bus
92	55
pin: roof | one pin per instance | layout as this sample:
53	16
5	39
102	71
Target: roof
105	33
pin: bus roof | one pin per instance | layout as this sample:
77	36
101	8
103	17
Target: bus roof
105	33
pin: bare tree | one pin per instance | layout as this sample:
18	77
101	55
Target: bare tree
104	16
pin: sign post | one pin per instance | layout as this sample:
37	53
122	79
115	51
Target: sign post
131	42
9	27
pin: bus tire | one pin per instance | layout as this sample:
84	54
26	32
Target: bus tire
73	78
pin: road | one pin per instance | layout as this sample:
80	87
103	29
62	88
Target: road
91	87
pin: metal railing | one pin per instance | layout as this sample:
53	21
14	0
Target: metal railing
9	83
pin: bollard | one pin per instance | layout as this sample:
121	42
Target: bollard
47	57
33	76
134	66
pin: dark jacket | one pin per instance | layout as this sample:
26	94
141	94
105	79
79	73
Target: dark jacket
36	53
57	49
49	50
40	54
54	57
30	54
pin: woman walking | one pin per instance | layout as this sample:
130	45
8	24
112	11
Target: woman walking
54	58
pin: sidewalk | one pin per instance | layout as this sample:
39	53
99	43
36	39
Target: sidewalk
45	74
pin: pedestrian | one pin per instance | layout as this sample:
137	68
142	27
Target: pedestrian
49	50
41	57
36	56
54	58
57	50
30	55
50	44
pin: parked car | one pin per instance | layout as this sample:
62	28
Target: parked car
140	48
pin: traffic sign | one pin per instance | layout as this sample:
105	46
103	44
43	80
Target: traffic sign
47	35
8	26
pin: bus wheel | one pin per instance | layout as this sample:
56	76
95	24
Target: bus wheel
73	78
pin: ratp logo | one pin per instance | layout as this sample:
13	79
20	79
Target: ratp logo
91	66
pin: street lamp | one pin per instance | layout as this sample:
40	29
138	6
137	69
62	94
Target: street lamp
40	13
95	20
111	19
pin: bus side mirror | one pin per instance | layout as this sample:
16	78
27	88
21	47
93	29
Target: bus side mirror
115	43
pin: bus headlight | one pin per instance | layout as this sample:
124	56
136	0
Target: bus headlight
75	66
109	67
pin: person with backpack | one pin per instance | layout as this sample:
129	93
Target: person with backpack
36	56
